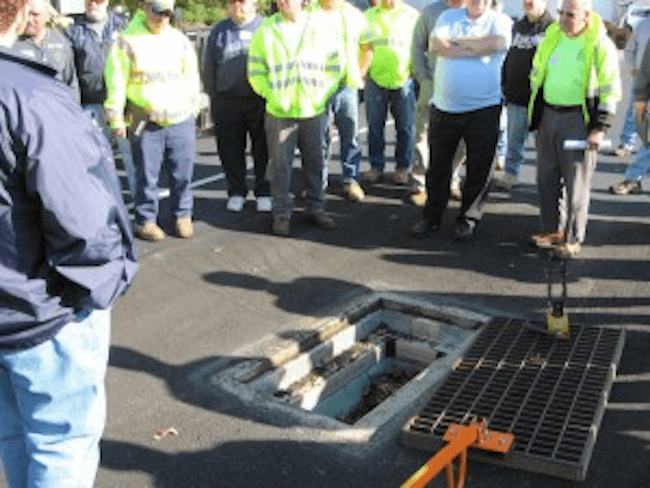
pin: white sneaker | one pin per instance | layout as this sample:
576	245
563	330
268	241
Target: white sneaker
235	203
264	204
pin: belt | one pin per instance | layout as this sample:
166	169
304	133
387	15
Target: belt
564	108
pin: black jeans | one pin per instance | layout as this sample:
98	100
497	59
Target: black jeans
234	118
480	130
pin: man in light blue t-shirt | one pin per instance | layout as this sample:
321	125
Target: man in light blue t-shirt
470	45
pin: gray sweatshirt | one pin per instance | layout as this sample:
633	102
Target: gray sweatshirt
424	62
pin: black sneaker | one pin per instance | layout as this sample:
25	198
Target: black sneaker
626	187
464	231
424	228
321	220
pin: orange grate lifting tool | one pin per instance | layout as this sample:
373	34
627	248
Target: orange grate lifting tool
459	438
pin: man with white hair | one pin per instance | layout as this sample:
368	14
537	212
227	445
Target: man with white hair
47	45
575	86
470	45
67	254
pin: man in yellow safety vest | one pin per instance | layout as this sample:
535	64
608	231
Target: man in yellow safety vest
152	85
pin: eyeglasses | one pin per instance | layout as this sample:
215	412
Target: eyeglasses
571	15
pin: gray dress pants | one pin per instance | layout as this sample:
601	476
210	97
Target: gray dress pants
563	176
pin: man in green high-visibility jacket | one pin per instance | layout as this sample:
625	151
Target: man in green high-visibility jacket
390	84
575	85
295	66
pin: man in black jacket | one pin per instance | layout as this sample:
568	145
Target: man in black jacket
66	255
526	36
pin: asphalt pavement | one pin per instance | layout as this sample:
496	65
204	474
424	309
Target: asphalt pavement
197	302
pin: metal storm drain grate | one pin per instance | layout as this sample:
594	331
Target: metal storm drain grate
549	393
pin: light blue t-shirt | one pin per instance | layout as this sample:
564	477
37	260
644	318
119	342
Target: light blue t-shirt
468	84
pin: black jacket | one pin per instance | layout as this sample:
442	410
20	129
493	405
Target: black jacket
66	244
517	65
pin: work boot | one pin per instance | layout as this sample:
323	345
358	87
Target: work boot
184	227
321	220
424	228
419	197
281	227
373	176
354	191
626	187
506	182
567	250
149	231
624	150
401	176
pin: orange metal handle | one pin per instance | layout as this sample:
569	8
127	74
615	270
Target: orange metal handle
443	460
459	438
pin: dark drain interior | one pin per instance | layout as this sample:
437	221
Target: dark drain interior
549	393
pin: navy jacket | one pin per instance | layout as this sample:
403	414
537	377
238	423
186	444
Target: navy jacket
66	244
225	58
519	61
90	54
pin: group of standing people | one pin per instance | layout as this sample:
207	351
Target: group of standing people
68	251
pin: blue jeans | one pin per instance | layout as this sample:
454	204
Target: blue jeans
344	104
53	406
175	144
628	136
402	106
641	165
517	133
96	112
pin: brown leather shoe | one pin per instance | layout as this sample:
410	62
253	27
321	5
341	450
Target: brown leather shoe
548	240
184	228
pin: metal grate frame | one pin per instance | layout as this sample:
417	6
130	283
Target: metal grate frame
549	393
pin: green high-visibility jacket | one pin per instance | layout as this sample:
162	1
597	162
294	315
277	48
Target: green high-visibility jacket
392	36
600	78
158	74
296	68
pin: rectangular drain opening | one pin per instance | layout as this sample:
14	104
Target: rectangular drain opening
549	393
350	375
364	365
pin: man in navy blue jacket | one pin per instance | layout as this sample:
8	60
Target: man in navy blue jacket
92	35
236	109
66	255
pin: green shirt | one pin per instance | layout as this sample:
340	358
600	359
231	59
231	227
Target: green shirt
392	34
563	84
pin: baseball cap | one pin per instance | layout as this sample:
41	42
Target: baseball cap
160	6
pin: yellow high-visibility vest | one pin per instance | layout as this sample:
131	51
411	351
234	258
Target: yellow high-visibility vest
157	73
